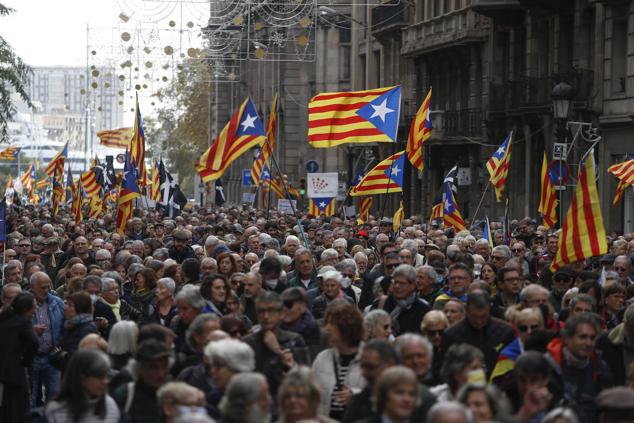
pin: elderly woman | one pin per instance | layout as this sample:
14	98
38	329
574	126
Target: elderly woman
337	369
362	262
299	396
463	363
481	399
165	306
330	291
395	396
122	343
349	272
378	325
433	326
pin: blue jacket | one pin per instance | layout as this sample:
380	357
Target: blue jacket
56	316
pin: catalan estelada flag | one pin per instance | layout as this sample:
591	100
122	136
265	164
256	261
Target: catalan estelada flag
95	206
548	200
498	166
506	359
451	214
266	148
582	232
57	162
77	203
384	178
486	232
244	131
90	184
129	191
364	209
322	206
58	192
274	185
28	179
137	144
354	117
10	153
419	132
621	187
398	218
43	183
624	171
70	186
116	138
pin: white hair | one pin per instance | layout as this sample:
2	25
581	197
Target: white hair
123	337
168	283
237	355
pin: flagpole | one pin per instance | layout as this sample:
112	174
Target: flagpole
387	190
486	188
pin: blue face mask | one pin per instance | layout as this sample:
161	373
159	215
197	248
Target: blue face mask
189	410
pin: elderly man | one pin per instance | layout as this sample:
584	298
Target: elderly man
500	255
534	295
80	249
103	258
247	399
178	399
252	289
403	304
9	292
291	245
426	283
48	320
623	266
449	412
304	275
190	304
13	272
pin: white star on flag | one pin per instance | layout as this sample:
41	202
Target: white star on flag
322	205
381	110
248	122
395	171
500	150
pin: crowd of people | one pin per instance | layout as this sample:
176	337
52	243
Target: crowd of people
240	315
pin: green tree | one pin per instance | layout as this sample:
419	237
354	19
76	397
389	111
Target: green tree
181	130
14	76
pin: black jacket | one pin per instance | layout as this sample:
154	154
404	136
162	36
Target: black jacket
611	345
490	339
198	376
181	255
17	349
408	320
144	407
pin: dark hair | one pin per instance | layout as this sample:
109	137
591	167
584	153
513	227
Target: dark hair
577	320
384	349
207	283
224	255
91	279
82	302
22	303
457	358
464	258
270	264
503	271
83	363
615	288
149	276
478	299
154	331
269	297
191	269
294	294
531	364
348	320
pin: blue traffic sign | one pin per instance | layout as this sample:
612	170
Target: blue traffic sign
312	166
247	181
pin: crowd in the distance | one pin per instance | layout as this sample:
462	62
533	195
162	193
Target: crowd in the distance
240	315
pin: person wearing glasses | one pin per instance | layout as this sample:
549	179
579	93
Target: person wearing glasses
562	282
297	317
509	287
434	325
625	268
458	282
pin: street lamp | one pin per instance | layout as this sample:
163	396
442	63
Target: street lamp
562	96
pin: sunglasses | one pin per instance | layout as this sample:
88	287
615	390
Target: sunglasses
390	266
496	258
620	269
518	250
431	332
288	303
525	328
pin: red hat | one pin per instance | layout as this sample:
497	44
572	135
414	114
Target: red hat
362	233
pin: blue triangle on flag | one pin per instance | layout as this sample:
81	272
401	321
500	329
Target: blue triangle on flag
383	112
250	122
322	203
395	171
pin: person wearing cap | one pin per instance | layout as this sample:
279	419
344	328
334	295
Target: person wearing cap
562	282
615	405
138	400
180	249
296	317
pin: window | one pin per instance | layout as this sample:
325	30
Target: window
344	62
619	50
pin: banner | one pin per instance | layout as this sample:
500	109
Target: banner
322	185
286	206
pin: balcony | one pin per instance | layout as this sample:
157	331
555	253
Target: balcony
456	28
390	17
535	92
510	11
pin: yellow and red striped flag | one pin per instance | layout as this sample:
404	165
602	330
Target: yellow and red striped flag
90	184
116	138
322	206
10	153
451	214
582	232
398	218
437	212
267	149
77	203
354	117
129	191
364	209
95	206
43	183
58	192
137	144
548	200
419	132
155	187
384	178
275	185
623	171
498	166
27	179
56	166
244	131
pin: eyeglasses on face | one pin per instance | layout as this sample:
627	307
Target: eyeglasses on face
432	332
526	328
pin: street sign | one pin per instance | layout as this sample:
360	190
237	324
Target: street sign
464	176
560	151
559	175
247	181
312	166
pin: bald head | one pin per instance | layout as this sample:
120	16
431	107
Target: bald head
40	286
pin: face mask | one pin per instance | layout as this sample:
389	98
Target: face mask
476	376
346	282
271	283
94	298
185	410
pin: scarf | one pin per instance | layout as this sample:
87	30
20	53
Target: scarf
400	306
450	293
116	308
573	361
78	320
302	326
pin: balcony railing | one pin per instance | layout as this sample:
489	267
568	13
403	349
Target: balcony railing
455	28
537	91
390	16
